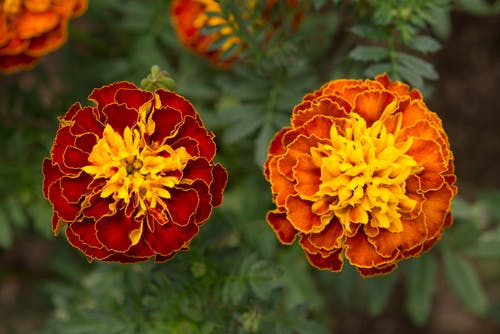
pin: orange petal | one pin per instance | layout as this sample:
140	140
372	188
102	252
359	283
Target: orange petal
32	24
329	238
436	208
371	104
332	262
428	154
361	253
300	215
307	175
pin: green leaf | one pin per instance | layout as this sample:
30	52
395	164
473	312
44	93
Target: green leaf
478	7
263	279
417	65
420	288
377	69
379	290
243	127
369	53
464	282
425	44
491	199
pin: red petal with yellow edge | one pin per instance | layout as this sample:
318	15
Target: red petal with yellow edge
74	158
120	117
300	215
415	111
182	205
86	120
65	210
114	231
167	121
98	207
106	94
363	254
160	258
61	142
371	104
276	147
307	174
140	250
198	169
127	259
170	238
329	238
173	100
75	188
204	208
402	89
428	154
332	262
284	230
51	173
319	126
133	98
85	231
192	128
367	272
218	184
86	142
90	252
190	144
31	24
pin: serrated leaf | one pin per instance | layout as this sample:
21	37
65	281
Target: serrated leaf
464	282
420	288
410	76
242	128
377	69
263	279
425	44
369	31
417	65
369	53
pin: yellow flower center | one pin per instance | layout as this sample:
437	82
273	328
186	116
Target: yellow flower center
204	20
11	7
134	171
363	176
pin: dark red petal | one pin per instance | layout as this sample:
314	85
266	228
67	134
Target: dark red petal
120	117
122	258
98	207
133	98
198	169
72	111
167	121
85	231
171	99
74	188
51	173
170	238
91	252
74	158
106	94
65	210
367	272
161	258
140	250
189	144
204	208
114	231
86	142
218	184
87	120
63	139
182	206
192	128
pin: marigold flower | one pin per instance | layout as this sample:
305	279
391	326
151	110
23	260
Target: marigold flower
132	177
189	17
364	171
30	29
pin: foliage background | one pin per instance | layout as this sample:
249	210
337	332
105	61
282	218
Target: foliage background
236	278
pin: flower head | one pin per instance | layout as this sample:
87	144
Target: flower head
364	171
190	17
30	29
132	177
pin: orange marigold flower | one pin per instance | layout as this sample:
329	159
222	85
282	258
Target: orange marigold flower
364	171
189	17
132	177
30	29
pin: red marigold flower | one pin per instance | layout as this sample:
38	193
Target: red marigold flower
132	177
364	171
189	17
30	29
